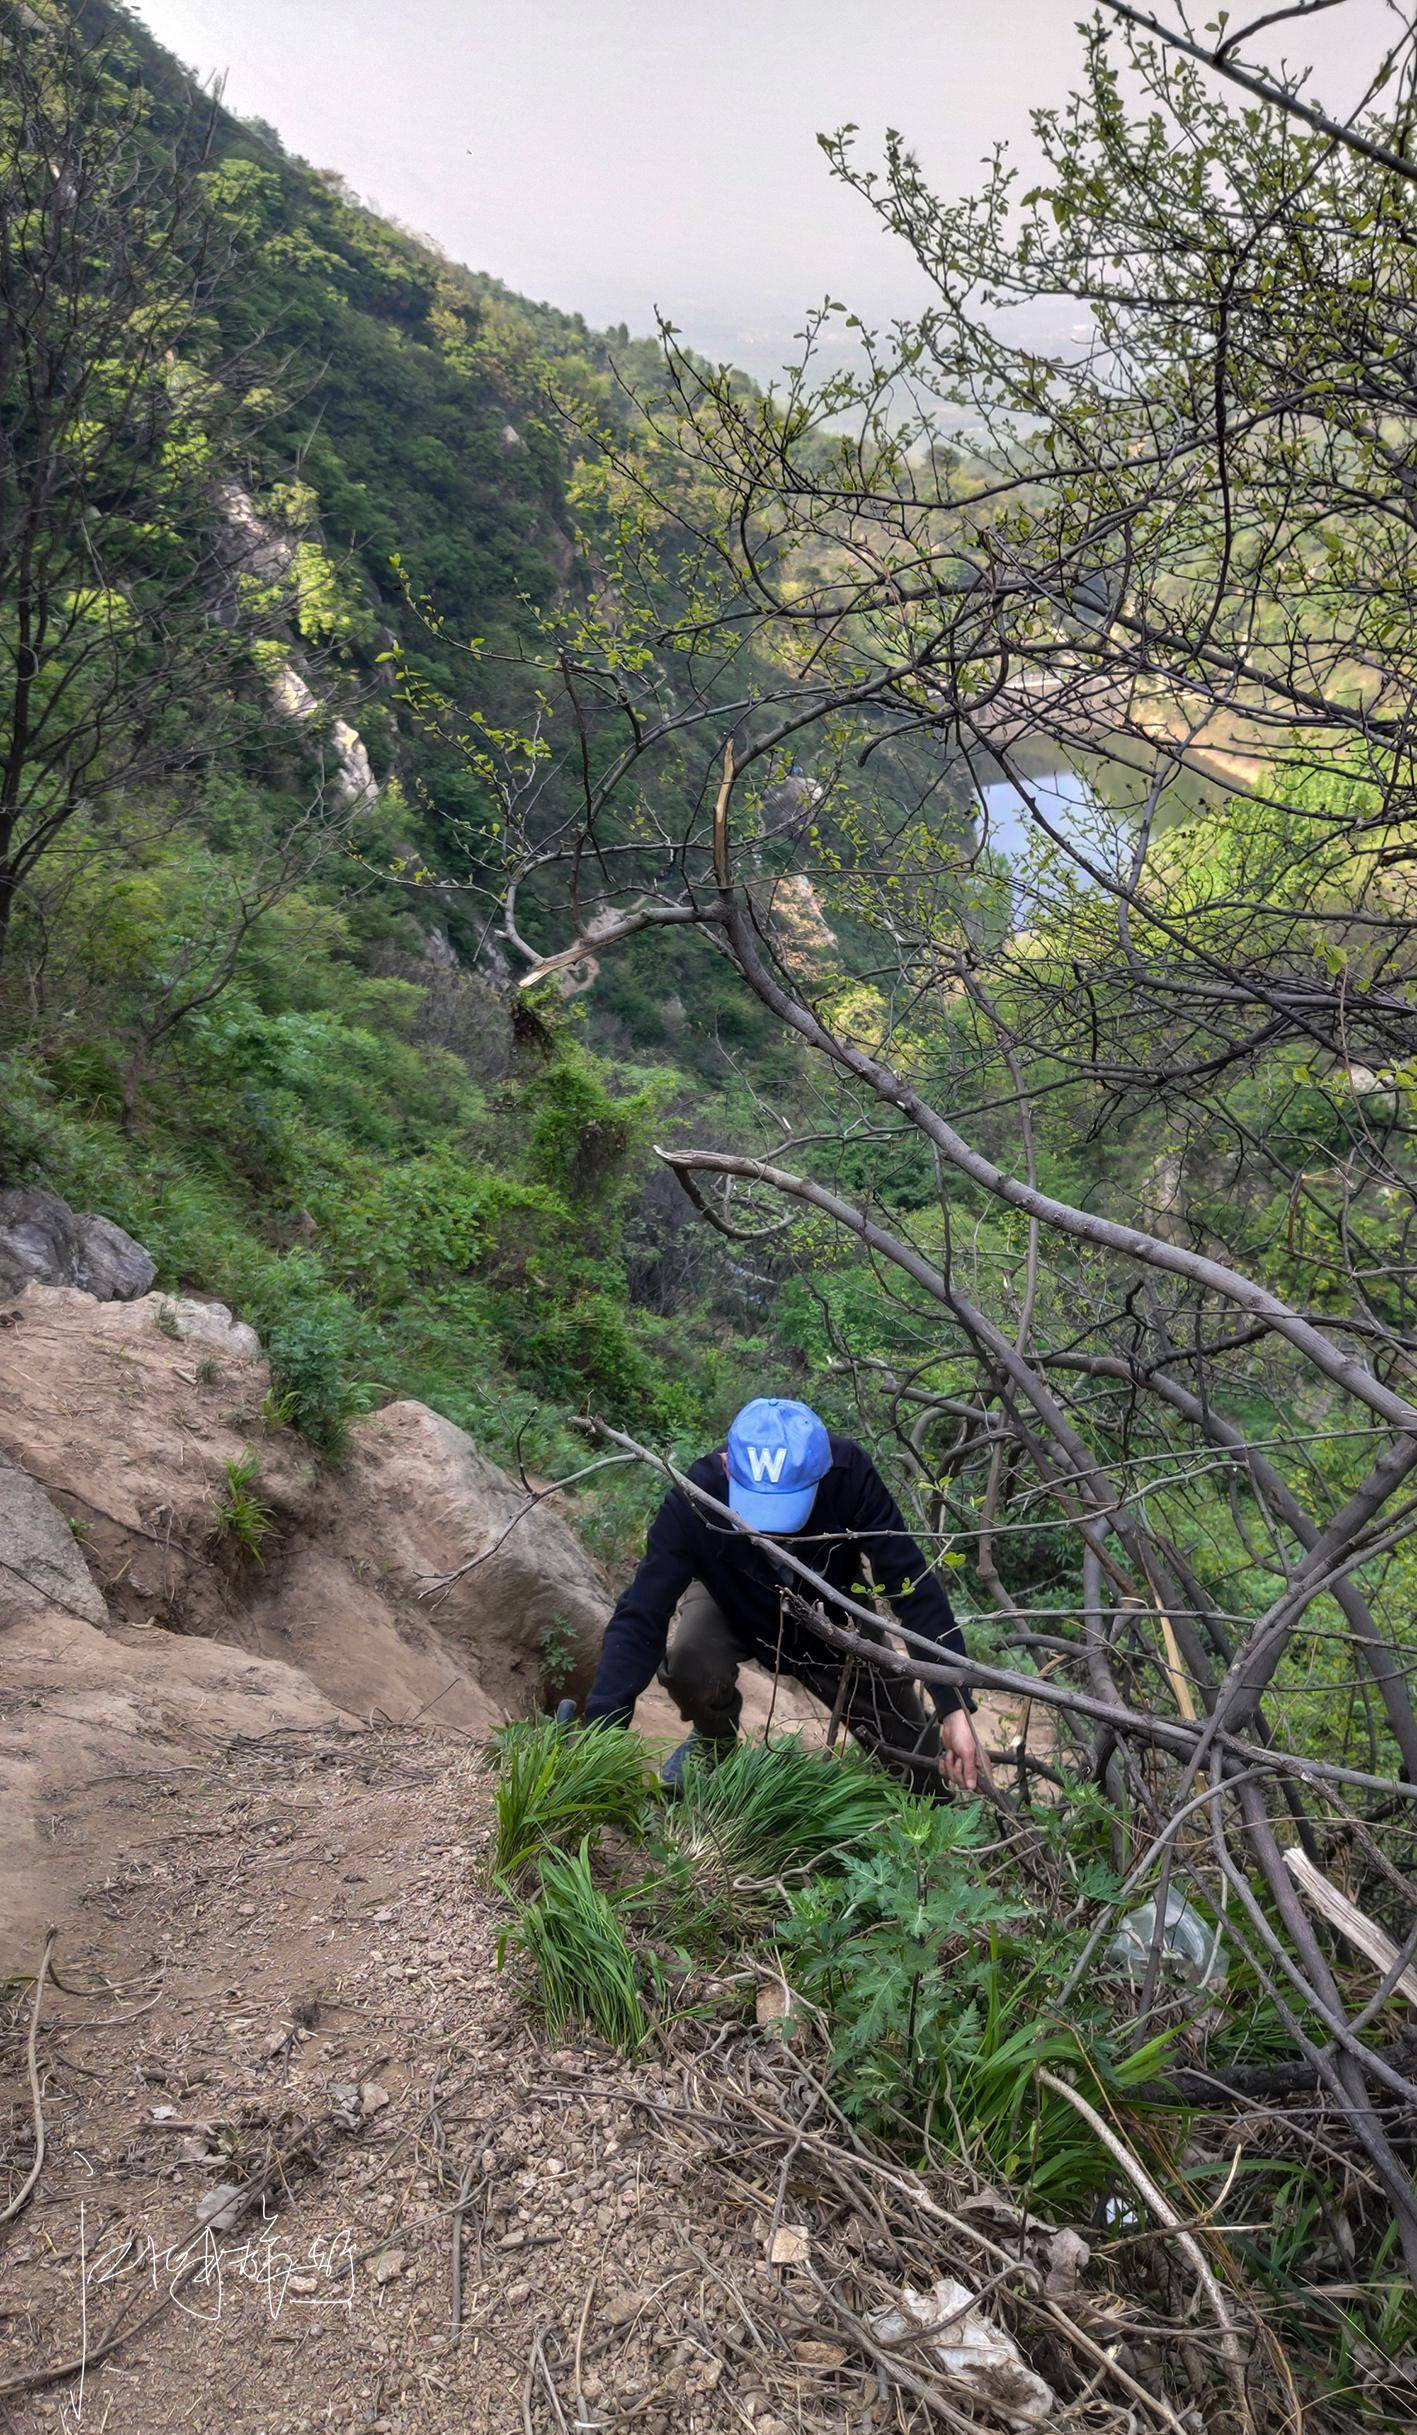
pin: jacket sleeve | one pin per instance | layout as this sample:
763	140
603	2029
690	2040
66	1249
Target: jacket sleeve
900	1569
637	1632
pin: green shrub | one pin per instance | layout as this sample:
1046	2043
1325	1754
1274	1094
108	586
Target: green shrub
315	1340
572	1935
557	1651
943	1997
308	1350
580	1135
558	1783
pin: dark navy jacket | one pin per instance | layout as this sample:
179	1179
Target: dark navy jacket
855	1520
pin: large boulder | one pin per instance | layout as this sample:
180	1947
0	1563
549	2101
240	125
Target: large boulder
43	1241
430	1584
40	1563
132	1415
491	1565
414	1580
133	1430
95	1712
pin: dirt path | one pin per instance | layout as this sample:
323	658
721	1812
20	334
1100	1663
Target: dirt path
302	1962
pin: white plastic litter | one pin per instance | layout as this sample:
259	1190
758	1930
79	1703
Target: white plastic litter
1190	1947
219	2210
947	2330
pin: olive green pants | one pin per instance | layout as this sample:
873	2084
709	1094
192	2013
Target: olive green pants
883	1712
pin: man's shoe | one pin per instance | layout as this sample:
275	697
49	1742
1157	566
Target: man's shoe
697	1747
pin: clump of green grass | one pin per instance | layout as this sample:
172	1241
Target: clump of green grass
243	1516
558	1783
585	1971
771	1807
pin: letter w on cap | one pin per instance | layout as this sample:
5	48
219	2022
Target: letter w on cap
765	1463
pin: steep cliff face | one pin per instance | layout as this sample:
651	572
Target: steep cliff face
176	1574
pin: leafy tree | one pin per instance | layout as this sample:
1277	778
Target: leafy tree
115	409
1159	1051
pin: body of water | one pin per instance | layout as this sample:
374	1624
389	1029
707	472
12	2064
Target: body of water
1064	797
1093	804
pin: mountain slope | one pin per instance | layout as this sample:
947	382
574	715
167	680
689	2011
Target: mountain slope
306	1093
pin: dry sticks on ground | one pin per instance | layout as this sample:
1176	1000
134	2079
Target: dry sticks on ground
28	2186
752	2136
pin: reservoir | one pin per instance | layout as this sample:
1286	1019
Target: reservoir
1093	804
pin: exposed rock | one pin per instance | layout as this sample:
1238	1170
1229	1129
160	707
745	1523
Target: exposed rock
791	803
44	1241
208	1323
40	1563
252	546
292	694
417	1579
440	951
104	1405
804	935
429	1507
355	780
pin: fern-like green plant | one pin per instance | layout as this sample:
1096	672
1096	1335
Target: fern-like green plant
585	1971
942	1999
557	1783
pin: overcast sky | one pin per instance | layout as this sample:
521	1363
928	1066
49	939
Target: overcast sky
611	156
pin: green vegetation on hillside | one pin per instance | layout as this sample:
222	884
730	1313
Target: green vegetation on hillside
448	757
227	1021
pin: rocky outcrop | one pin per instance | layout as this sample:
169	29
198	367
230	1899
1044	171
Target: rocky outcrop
253	546
209	1323
40	1564
353	775
131	1429
414	1578
805	937
507	1586
415	1581
90	1702
354	778
44	1241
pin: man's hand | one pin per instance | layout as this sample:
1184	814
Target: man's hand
962	1762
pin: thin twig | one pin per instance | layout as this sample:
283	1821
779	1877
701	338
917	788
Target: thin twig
1166	2214
26	2190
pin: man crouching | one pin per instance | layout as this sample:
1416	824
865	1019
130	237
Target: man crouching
781	1473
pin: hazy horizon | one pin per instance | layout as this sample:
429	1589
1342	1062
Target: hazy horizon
613	158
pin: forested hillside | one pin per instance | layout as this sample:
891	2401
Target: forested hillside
568	887
242	1015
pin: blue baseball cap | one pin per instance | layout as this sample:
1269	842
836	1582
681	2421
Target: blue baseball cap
777	1452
